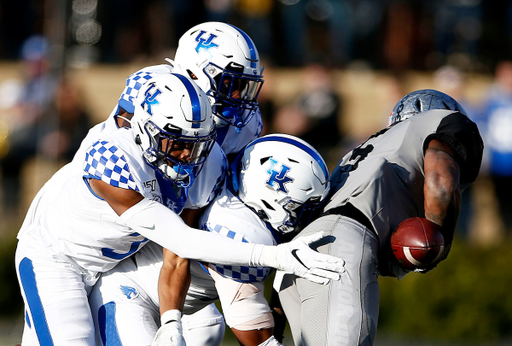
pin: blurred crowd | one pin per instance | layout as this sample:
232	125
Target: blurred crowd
385	34
44	113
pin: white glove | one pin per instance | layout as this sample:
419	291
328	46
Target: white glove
296	257
171	332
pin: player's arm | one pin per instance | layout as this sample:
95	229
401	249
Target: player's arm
173	282
119	199
174	279
152	219
442	188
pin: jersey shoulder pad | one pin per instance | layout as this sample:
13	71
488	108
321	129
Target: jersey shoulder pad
463	136
107	162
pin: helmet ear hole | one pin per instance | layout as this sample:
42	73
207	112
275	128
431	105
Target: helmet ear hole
418	104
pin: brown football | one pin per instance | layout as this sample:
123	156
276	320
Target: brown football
417	243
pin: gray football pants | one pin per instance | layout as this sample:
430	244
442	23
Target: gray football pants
344	312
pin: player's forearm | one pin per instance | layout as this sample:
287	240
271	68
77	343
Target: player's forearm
442	191
173	282
161	225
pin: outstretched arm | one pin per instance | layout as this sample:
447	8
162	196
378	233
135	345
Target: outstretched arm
152	220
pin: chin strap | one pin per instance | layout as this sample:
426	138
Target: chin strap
181	176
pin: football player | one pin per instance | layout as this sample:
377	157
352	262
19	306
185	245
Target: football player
125	186
274	187
417	166
224	62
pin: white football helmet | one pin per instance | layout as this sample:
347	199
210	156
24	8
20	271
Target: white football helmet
173	124
283	179
225	63
421	101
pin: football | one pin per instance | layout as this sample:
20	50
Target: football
417	243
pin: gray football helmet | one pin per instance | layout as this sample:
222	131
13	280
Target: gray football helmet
421	101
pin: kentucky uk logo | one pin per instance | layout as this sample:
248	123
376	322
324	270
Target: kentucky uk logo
278	179
205	43
150	99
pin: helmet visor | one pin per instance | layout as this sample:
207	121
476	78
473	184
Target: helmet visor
239	88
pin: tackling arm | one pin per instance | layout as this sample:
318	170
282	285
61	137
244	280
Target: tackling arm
173	282
152	220
442	189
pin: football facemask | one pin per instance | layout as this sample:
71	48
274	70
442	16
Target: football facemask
224	62
179	157
174	127
235	94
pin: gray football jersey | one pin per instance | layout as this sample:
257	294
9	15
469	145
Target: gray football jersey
383	177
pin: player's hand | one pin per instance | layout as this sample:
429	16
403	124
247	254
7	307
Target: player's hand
296	257
442	257
171	332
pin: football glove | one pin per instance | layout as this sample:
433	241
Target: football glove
296	257
171	332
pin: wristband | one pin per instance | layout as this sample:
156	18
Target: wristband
169	316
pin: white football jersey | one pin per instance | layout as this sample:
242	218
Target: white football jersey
229	217
230	140
226	216
208	183
99	239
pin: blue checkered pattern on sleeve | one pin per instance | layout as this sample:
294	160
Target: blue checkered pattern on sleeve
133	85
238	273
104	161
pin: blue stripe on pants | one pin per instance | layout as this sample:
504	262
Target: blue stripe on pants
107	325
28	281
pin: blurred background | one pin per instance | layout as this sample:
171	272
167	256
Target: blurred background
333	71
